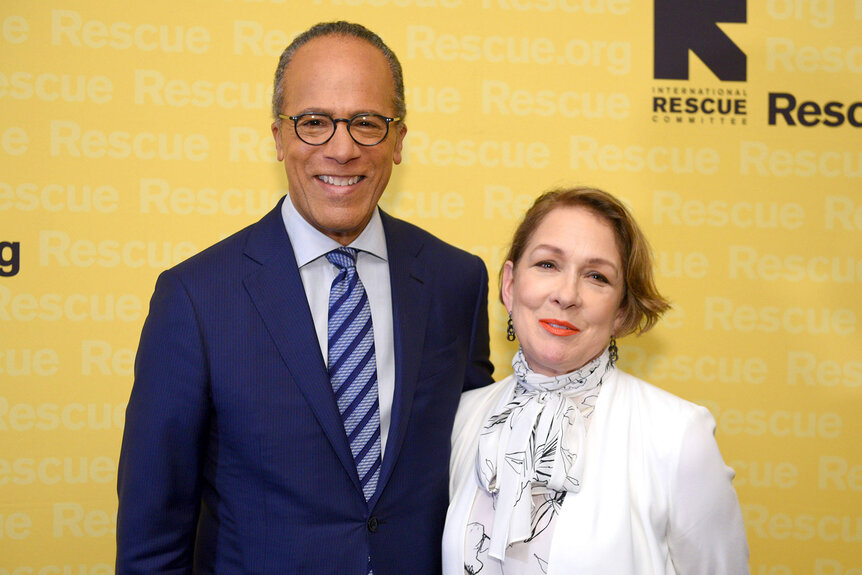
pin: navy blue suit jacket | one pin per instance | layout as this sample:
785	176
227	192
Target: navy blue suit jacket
234	456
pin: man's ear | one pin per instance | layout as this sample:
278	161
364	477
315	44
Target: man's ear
276	133
399	143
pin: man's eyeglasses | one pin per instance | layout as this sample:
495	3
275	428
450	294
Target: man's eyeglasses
317	129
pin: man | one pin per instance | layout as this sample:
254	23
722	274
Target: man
240	452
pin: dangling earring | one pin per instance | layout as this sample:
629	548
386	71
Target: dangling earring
510	329
612	349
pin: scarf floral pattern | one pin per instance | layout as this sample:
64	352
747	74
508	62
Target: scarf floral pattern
533	448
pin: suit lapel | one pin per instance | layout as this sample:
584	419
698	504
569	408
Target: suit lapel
277	292
410	301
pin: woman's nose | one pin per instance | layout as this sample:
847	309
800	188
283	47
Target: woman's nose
568	292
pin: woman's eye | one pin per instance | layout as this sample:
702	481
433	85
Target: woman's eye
599	277
546	265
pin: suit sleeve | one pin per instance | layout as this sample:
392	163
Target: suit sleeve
165	434
706	535
480	369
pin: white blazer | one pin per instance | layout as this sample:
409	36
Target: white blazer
656	497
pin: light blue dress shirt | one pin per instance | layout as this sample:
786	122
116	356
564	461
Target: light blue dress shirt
310	247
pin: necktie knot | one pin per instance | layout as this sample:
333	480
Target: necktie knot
342	258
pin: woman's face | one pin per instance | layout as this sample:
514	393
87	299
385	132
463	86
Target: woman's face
565	292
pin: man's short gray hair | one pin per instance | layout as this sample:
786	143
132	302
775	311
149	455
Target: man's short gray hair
339	28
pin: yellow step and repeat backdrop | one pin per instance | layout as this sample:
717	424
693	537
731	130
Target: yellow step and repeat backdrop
135	134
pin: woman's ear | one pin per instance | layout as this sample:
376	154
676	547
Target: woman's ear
618	321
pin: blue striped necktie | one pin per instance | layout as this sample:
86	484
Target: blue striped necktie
353	366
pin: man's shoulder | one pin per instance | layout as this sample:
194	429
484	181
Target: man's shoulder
216	255
398	230
238	249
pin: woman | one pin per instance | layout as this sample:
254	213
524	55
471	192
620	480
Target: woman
571	465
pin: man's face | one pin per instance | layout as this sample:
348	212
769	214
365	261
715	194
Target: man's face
336	186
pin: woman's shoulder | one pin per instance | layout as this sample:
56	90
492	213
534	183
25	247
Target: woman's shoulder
657	420
646	391
659	403
483	395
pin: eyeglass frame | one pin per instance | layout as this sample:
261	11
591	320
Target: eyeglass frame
335	121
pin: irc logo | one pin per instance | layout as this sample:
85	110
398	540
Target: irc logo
683	25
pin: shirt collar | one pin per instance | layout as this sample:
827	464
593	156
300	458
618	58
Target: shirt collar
309	243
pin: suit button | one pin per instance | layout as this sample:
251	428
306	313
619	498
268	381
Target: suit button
373	524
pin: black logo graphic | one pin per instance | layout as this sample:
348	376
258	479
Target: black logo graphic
683	25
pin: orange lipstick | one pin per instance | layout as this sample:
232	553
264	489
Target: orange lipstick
558	327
